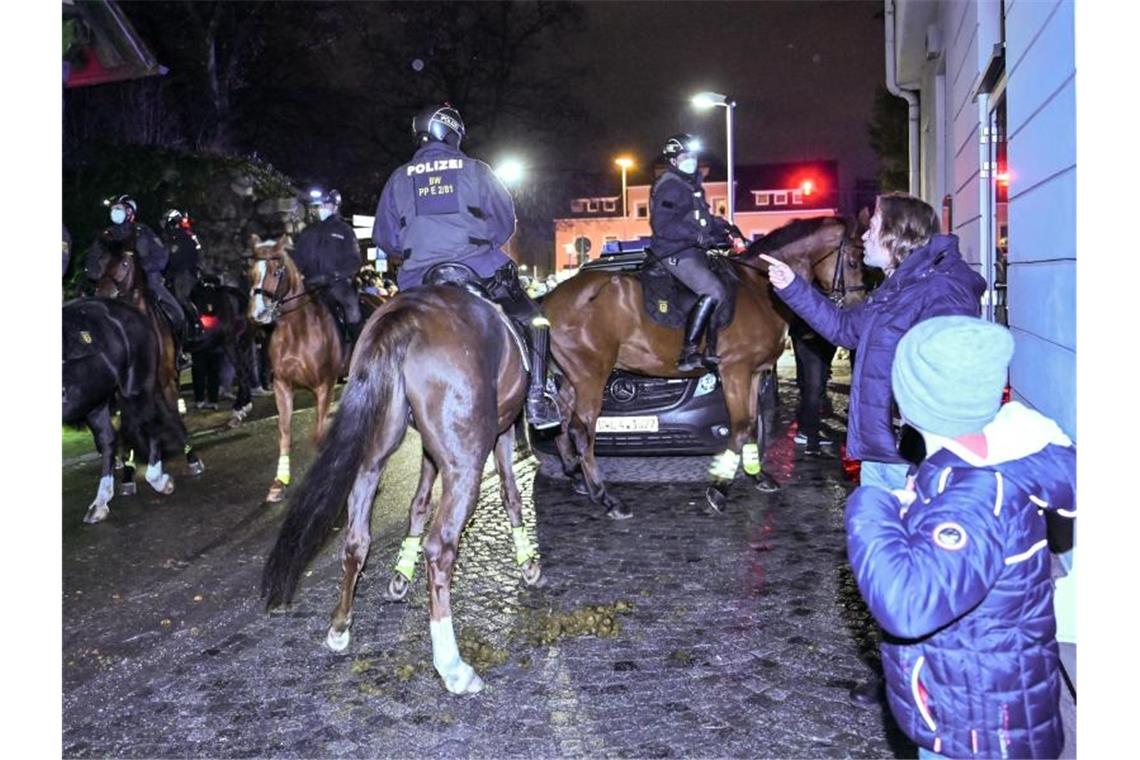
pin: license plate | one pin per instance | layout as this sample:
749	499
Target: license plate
645	424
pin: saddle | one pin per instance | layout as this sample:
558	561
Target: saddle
462	276
667	300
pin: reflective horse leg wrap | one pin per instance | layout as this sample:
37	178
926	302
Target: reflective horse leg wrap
724	465
524	549
283	468
751	456
409	556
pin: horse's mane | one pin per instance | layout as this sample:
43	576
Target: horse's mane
793	231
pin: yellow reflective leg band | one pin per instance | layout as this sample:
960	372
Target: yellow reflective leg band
409	555
186	449
724	465
283	468
524	549
540	322
131	459
751	456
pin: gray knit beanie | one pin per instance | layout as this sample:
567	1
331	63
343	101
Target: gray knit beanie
949	373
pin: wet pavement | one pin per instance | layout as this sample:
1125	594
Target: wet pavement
674	634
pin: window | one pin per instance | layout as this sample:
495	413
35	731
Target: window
641	210
577	206
797	198
592	206
609	205
780	198
761	198
720	207
611	239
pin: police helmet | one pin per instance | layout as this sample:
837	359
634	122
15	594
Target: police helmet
125	201
322	198
440	123
680	143
174	218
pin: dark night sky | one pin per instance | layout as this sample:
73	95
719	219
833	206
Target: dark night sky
803	75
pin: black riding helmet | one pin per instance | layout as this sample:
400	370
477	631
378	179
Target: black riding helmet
440	123
682	142
320	198
175	218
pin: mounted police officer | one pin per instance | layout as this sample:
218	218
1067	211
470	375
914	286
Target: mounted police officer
683	230
445	207
328	255
185	263
127	233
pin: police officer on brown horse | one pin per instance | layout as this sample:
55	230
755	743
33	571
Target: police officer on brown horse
328	255
445	207
683	230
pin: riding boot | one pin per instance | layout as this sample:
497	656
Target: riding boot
691	357
712	360
541	408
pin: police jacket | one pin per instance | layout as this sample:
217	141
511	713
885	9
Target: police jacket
932	281
151	253
443	206
960	580
185	251
679	216
327	251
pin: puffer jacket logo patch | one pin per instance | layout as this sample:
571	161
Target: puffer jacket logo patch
950	536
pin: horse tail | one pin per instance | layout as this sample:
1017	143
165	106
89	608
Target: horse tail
372	417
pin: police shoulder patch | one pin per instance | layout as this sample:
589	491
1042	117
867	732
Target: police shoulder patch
85	336
950	536
663	307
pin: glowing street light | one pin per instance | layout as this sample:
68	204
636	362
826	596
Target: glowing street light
705	100
624	162
510	171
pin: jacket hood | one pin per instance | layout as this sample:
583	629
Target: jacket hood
435	148
1025	445
940	255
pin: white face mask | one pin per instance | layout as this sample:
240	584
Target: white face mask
118	215
324	212
687	165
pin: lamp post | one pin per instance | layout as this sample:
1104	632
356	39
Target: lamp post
624	163
703	100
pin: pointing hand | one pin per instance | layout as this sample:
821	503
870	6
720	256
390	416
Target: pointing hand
779	273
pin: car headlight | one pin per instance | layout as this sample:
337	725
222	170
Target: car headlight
706	385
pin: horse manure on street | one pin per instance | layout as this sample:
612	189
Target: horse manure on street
545	627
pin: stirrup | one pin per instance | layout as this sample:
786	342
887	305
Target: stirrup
542	412
690	360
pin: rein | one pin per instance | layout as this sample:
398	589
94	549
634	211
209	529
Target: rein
274	297
839	287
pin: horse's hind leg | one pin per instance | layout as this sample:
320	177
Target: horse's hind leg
412	545
99	420
460	490
358	532
525	556
323	394
243	404
581	429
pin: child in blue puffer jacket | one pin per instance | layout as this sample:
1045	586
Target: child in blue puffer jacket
957	570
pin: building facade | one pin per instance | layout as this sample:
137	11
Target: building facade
767	196
995	82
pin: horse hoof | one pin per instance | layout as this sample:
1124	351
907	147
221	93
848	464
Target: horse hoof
716	498
580	487
96	513
618	510
128	488
765	483
167	487
397	590
463	680
197	467
276	492
338	642
532	573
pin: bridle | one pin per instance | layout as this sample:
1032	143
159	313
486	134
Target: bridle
276	298
839	289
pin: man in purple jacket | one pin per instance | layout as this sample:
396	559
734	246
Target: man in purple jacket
925	277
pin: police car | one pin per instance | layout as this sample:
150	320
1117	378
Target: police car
652	416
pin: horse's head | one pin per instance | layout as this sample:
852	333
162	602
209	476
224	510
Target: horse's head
272	277
118	274
827	250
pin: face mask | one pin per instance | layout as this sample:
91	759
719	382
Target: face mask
118	215
688	165
324	213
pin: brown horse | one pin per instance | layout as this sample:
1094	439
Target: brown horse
445	360
305	348
120	276
599	323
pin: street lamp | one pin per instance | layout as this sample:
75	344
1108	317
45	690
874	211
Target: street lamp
510	170
704	100
624	163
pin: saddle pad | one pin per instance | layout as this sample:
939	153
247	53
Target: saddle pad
80	339
668	302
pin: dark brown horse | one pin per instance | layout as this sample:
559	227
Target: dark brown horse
446	360
599	323
305	349
120	276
